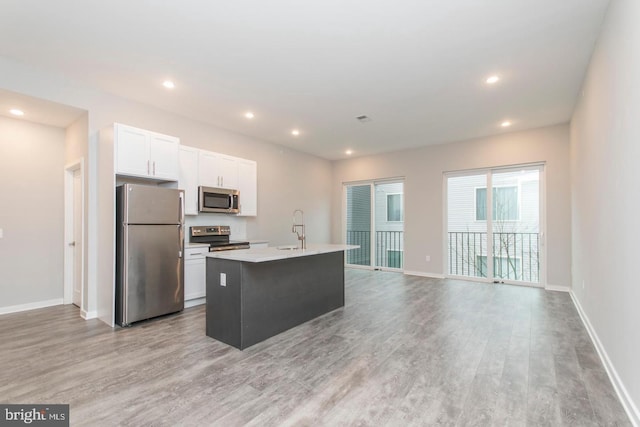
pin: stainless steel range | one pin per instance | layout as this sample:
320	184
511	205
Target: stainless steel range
216	236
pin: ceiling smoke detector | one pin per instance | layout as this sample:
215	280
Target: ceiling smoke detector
363	118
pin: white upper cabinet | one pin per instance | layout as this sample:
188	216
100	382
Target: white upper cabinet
146	154
132	151
164	154
228	169
217	170
209	169
248	186
188	178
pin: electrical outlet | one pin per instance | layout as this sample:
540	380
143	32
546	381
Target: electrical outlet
1	235
583	284
223	279
427	258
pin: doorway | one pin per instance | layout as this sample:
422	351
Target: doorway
74	235
494	227
374	220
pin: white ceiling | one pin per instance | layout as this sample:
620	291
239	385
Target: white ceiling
416	67
39	110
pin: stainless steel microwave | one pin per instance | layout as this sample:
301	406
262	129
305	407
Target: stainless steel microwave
221	200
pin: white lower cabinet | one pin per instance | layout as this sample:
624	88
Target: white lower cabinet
194	273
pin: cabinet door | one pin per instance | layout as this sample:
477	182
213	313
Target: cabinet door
132	151
208	169
188	179
228	171
194	279
163	154
248	186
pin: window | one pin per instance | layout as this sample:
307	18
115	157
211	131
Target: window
394	207
505	204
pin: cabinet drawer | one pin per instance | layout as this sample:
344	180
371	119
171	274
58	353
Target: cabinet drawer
195	253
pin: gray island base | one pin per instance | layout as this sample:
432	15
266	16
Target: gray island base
248	301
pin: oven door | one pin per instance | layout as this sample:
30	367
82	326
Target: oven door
221	200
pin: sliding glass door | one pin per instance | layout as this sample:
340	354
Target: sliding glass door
359	222
467	235
374	219
493	225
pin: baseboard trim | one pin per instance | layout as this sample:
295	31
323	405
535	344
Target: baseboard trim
424	274
557	288
627	403
194	302
30	306
87	315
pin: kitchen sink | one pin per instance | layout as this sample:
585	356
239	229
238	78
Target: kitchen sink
288	248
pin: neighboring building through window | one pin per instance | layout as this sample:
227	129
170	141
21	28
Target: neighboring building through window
505	204
394	208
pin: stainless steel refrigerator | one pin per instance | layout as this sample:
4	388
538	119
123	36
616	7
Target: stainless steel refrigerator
149	248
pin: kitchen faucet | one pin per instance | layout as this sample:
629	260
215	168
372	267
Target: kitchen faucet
294	228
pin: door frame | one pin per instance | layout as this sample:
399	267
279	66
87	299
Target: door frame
541	219
68	251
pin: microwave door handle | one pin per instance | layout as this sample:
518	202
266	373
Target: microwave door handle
230	202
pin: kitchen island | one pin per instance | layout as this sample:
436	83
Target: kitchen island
254	294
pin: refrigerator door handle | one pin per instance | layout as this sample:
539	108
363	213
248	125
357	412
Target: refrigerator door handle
125	276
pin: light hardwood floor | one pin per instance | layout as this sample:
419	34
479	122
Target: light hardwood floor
403	351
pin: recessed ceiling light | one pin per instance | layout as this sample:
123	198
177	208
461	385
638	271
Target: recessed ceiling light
249	115
16	112
493	80
168	84
295	132
348	152
505	124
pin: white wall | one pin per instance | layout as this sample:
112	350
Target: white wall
605	151
423	171
287	179
31	214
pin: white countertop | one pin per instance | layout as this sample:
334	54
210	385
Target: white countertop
272	253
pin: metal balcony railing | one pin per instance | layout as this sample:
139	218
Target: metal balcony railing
515	255
362	255
388	248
